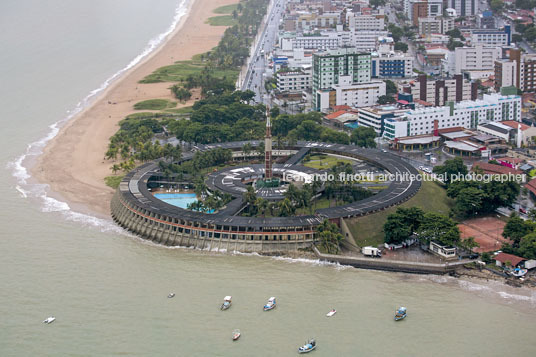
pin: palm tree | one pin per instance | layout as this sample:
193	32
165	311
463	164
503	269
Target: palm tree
285	208
115	168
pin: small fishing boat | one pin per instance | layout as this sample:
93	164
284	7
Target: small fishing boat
517	272
308	347
236	334
270	305
400	313
331	313
49	320
226	303
171	295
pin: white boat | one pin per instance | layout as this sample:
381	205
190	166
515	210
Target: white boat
271	304
308	347
226	303
517	272
171	295
331	313
236	334
49	320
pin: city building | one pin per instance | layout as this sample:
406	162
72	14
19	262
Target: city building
367	21
366	40
311	21
486	20
464	7
477	58
505	74
431	25
294	81
466	114
355	95
376	117
440	91
525	70
492	36
387	63
329	66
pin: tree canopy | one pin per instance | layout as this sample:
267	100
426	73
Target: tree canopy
402	224
450	168
364	137
439	228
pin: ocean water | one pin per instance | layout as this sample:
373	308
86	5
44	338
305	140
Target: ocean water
108	290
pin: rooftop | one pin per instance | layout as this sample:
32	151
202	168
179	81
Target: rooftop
505	257
462	146
495	169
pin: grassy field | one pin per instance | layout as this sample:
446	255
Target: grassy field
182	69
113	181
226	9
183	110
324	162
368	230
225	20
155	104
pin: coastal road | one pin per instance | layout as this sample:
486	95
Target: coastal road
254	78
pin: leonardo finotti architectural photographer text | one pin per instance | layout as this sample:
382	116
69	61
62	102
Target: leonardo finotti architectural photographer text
371	176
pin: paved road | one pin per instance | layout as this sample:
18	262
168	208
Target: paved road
254	79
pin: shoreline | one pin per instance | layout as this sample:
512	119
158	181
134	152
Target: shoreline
72	163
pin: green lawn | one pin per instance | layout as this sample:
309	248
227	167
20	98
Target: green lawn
324	162
155	104
182	69
183	110
226	9
113	181
368	230
225	20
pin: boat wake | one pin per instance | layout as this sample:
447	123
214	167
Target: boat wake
33	150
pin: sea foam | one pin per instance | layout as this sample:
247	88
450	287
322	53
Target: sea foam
34	149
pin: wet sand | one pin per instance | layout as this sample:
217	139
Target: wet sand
73	163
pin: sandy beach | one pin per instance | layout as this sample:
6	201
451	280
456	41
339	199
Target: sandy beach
73	162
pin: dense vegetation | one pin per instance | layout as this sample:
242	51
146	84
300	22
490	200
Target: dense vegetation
523	236
429	226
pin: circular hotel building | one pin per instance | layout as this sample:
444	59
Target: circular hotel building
137	208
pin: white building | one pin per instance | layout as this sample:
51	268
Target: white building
296	81
359	21
491	37
355	95
387	63
366	41
439	25
505	73
466	114
375	117
478	58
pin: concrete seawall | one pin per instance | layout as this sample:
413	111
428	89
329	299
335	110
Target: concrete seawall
392	265
162	230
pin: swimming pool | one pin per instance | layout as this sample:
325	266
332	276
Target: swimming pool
181	200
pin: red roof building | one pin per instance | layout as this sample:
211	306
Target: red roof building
493	169
531	186
502	258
